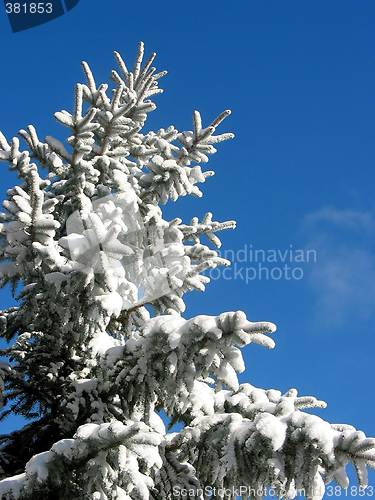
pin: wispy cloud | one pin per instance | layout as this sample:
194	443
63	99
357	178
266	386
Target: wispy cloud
347	218
344	275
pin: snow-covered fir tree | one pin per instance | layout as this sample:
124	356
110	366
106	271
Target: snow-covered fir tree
98	344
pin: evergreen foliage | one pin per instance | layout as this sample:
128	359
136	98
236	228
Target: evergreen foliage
98	344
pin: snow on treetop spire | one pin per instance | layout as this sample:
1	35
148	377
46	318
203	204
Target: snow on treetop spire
110	183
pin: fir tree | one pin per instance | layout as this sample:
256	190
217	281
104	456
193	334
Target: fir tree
98	343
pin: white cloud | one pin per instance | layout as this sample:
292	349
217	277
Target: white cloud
346	218
345	286
343	277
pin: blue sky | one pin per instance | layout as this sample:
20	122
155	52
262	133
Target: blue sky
298	76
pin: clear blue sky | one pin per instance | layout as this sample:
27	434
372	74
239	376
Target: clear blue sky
298	76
